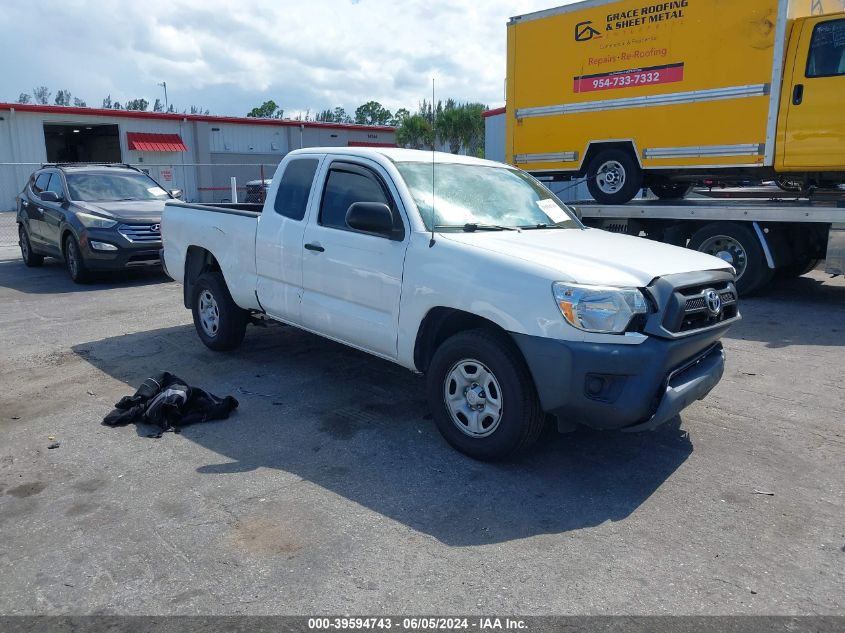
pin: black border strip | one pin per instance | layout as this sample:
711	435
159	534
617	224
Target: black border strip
632	70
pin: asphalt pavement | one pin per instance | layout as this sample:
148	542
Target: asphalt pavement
330	490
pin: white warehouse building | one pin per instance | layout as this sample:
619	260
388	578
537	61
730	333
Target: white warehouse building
198	154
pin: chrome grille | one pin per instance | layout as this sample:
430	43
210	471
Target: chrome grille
144	233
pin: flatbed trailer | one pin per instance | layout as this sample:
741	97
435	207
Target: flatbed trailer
760	238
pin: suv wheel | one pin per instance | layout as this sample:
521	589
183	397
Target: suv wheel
29	257
482	397
220	323
74	261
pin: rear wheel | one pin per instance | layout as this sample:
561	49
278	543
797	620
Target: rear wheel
482	396
29	257
798	268
220	323
740	247
613	177
74	261
675	191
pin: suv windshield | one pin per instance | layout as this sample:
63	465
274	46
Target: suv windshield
108	187
478	197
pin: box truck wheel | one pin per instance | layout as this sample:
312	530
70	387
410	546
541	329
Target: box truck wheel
482	396
673	191
613	177
739	246
220	322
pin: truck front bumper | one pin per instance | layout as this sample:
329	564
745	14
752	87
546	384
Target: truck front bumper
630	387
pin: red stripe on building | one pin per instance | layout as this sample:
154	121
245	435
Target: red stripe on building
144	142
494	112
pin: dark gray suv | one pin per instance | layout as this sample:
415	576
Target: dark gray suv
94	217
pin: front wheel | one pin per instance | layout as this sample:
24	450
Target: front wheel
740	247
613	177
74	261
220	322
482	397
30	258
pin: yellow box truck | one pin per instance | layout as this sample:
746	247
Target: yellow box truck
661	94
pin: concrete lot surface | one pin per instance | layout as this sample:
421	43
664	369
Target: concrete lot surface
330	491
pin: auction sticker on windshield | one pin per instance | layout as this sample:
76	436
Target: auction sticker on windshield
551	209
156	191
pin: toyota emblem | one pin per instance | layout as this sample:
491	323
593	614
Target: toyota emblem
156	228
714	302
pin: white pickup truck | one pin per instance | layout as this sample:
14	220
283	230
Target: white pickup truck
471	272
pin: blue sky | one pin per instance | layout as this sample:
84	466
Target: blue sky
229	57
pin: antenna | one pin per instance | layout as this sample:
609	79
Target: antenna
433	141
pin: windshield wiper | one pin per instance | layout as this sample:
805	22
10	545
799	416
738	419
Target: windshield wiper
473	227
541	226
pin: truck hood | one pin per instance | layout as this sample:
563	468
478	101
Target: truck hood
126	210
592	256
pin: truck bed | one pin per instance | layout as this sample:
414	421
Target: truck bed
226	230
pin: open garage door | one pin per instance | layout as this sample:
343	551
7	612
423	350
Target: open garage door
82	143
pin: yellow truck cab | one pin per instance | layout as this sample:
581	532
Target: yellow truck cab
631	94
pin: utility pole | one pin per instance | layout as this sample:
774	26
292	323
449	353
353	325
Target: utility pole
163	84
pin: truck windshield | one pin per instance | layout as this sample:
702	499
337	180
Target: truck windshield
109	187
477	197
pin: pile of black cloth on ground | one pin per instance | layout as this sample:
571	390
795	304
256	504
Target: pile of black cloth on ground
168	402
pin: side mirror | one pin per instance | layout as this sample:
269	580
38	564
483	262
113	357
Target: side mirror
50	196
176	193
372	217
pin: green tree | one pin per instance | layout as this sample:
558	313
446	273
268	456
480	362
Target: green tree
63	98
157	107
139	105
41	95
400	115
107	104
472	134
266	110
372	113
24	98
79	103
450	127
415	132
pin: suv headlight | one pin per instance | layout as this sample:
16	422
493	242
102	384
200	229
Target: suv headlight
95	221
597	308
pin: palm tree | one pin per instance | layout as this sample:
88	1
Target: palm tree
415	132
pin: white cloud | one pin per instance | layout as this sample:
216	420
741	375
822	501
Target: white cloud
229	56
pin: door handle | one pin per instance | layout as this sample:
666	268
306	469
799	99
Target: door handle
798	94
315	247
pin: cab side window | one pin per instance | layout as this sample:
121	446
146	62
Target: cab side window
827	50
295	187
56	185
343	188
41	182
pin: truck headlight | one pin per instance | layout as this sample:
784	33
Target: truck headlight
95	221
597	308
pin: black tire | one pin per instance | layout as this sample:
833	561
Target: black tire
521	421
29	257
753	272
798	268
626	173
74	261
220	323
676	191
